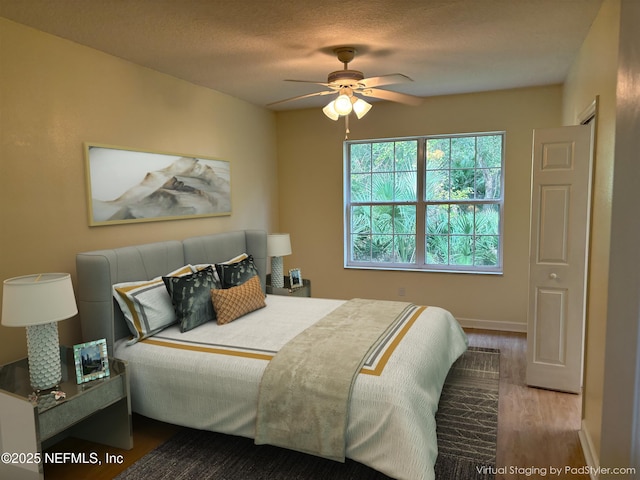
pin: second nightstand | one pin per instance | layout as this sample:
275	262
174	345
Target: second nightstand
303	291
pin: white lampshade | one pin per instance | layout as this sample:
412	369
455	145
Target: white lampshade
278	245
360	107
37	299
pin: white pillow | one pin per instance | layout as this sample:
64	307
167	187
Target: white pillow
146	305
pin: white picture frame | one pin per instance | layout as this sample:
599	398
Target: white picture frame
295	278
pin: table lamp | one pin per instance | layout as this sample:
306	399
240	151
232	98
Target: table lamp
38	302
278	245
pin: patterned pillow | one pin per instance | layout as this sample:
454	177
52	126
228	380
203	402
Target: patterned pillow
232	303
234	274
146	306
191	297
202	266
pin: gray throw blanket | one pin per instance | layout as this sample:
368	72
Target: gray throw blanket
306	388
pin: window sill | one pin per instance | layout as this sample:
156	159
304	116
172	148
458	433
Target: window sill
424	270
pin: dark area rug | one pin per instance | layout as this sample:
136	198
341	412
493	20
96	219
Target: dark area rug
467	418
467	422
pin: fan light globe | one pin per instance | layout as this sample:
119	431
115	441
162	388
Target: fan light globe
360	107
330	111
342	105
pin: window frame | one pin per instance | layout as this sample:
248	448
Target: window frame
421	208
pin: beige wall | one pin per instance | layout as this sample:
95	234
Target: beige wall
55	95
620	437
594	72
311	199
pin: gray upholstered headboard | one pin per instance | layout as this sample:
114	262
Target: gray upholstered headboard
97	271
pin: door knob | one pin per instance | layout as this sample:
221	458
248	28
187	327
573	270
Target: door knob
553	276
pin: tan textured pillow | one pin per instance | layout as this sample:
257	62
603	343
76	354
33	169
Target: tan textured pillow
234	302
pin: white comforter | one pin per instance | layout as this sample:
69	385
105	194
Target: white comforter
208	378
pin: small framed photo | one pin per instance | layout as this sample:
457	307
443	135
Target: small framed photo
91	360
295	277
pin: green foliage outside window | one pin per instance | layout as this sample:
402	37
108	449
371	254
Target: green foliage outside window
460	200
384	172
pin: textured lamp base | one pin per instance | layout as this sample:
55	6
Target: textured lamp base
44	355
277	273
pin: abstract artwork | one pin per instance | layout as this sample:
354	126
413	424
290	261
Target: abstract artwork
128	185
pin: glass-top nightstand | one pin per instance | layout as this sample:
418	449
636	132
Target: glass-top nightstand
99	411
303	291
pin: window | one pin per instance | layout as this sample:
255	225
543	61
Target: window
425	203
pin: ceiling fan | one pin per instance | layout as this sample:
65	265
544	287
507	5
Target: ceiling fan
350	84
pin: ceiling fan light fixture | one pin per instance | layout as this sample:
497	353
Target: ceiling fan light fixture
346	83
360	107
330	111
343	105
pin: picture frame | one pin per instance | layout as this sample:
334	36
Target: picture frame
128	185
91	360
295	278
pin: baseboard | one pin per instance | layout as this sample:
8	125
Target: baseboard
492	325
590	455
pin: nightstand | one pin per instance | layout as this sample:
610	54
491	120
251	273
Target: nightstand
99	411
303	291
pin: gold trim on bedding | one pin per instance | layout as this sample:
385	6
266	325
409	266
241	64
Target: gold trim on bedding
388	351
373	366
203	349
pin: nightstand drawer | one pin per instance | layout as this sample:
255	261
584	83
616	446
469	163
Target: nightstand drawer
57	419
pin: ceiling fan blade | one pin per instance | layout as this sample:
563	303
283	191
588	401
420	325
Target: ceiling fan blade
300	97
385	80
324	84
391	96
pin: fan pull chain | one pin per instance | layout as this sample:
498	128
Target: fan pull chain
346	127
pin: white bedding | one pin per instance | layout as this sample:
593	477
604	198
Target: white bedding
208	378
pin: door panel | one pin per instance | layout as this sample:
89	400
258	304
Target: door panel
554	223
551	331
560	189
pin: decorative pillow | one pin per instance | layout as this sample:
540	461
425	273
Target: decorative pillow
202	266
234	302
234	274
190	296
146	306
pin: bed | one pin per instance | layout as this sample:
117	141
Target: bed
209	377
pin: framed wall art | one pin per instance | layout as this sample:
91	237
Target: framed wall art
91	360
126	185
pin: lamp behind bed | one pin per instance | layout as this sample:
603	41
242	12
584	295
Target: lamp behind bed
278	245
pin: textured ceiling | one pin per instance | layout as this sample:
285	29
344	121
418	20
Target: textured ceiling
248	48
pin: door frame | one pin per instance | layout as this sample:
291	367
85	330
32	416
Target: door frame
589	116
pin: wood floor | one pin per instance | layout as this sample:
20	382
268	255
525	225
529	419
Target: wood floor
537	429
